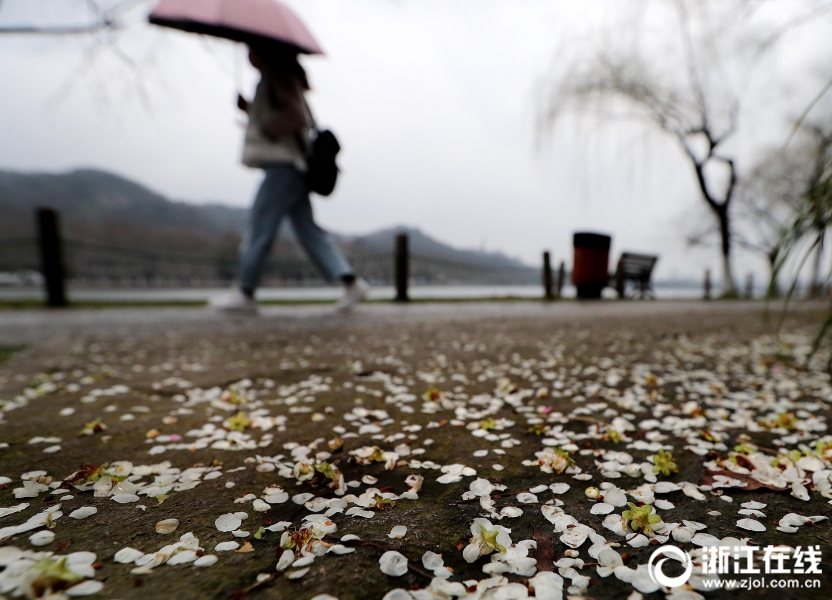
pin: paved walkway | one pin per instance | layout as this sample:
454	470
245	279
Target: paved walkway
26	326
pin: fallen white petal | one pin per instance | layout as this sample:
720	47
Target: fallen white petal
128	555
393	563
228	522
206	560
750	525
83	512
226	546
85	588
398	532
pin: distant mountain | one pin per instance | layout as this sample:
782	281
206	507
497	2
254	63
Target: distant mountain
103	208
424	245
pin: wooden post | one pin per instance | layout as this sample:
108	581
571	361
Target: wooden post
749	286
561	278
707	295
547	278
51	259
402	269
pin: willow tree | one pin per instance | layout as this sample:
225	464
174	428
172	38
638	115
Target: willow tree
95	16
680	68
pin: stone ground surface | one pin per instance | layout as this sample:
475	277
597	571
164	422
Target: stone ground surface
503	367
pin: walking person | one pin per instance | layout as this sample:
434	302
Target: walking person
277	141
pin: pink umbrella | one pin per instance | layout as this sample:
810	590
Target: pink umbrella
249	21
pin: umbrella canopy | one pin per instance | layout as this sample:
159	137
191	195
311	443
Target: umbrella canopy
249	21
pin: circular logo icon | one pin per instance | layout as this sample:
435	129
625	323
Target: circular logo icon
663	554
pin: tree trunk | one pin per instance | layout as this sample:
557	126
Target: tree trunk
729	287
815	287
774	285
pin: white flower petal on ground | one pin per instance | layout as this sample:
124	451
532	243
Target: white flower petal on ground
226	546
398	532
810	463
85	588
41	538
511	512
644	583
497	467
297	574
125	498
638	541
369	480
559	488
683	535
552	513
397	594
181	558
302	498
800	492
206	561
167	526
128	555
601	508
83	512
795	520
547	586
228	522
609	558
615	523
527	498
481	487
538	489
13	509
664	504
705	539
260	505
286	560
432	560
574	537
754	505
750	525
340	549
357	511
316	504
665	487
480	453
393	563
616	497
304	561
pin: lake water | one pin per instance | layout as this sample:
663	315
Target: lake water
450	292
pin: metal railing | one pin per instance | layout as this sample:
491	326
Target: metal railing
105	264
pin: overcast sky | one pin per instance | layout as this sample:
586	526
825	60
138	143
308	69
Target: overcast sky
435	103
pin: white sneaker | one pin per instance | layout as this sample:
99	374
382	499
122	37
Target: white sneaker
353	294
234	301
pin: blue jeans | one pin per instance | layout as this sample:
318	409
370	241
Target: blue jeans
284	193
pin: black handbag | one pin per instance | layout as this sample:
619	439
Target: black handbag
322	149
322	170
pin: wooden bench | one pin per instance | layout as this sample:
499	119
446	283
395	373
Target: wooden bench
636	268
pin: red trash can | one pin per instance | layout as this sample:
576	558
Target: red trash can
590	268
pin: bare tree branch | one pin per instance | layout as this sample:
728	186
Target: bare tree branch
105	19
